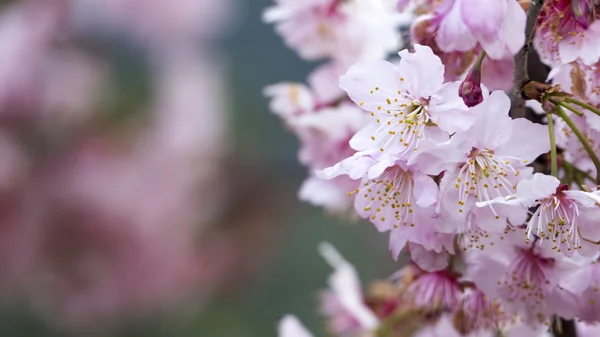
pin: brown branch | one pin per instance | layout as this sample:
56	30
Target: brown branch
521	75
563	328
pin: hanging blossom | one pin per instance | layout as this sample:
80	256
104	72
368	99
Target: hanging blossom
343	304
396	198
567	218
567	30
436	291
496	74
481	164
477	313
524	276
497	25
408	102
324	120
343	30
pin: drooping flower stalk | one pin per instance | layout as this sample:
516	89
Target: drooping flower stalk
561	113
553	156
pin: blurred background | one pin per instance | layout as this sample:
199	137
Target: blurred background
145	188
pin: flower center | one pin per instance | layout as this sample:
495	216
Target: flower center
389	197
403	128
435	291
526	281
484	176
556	220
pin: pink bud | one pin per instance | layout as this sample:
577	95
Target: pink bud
470	89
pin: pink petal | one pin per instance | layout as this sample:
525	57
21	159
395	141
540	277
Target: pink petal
423	71
453	34
514	26
483	17
428	260
290	326
535	136
370	83
426	190
493	127
448	109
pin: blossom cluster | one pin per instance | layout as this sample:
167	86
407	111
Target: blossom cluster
426	148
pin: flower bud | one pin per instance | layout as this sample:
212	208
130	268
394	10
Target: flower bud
470	89
535	90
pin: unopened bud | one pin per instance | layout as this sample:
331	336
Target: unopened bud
471	93
470	89
535	90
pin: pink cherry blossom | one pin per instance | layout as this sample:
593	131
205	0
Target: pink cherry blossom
343	302
498	26
485	162
444	167
476	312
524	276
394	198
344	30
434	291
583	81
567	218
409	102
562	38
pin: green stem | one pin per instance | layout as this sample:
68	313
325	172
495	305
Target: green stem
553	156
572	109
577	171
586	145
584	105
480	59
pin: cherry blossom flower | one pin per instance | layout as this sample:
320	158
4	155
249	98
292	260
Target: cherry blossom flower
435	291
476	312
342	30
394	198
562	37
523	275
498	26
485	162
343	302
567	218
409	102
324	137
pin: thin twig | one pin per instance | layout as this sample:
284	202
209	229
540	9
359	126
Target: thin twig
586	145
584	105
553	156
563	328
572	109
521	76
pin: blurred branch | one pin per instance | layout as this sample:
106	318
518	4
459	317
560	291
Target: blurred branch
521	75
563	328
